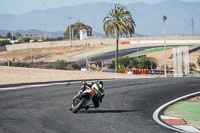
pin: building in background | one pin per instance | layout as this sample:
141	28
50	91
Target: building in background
83	34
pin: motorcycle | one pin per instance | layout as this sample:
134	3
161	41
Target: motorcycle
81	101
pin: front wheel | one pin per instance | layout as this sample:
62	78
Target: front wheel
76	108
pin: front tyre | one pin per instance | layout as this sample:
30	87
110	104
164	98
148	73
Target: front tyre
76	108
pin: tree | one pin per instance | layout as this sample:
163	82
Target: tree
76	30
9	35
17	35
5	42
118	22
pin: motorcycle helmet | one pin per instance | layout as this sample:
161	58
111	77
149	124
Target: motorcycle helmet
100	83
84	82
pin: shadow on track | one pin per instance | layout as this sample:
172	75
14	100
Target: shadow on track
111	111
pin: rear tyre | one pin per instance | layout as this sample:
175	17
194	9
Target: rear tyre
76	108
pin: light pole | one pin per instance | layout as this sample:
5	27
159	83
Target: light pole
70	35
165	58
138	43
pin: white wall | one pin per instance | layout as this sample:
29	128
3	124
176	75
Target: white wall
150	41
83	35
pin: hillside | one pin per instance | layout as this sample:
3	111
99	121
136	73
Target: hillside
49	34
148	17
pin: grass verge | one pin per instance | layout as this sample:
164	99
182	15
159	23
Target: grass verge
188	111
147	51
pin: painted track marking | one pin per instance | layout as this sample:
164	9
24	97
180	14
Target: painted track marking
180	128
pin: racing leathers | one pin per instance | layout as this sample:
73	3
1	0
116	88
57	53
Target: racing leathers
98	95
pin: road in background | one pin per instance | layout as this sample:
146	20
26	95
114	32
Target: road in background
127	107
124	52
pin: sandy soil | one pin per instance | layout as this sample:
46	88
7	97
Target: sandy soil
45	54
159	56
13	75
65	53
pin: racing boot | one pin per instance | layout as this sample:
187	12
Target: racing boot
89	106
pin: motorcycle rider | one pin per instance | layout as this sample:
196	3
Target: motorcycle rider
98	88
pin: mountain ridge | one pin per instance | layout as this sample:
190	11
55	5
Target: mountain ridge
148	17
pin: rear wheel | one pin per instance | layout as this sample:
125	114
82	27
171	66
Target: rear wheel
76	108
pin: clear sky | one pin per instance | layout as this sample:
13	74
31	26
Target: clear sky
23	6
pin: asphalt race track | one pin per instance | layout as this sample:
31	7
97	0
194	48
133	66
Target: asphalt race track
124	52
111	55
127	107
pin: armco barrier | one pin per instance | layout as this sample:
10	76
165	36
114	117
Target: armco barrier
146	71
126	42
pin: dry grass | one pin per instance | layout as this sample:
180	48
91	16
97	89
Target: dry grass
21	55
195	99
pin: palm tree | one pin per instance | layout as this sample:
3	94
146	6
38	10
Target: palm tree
118	22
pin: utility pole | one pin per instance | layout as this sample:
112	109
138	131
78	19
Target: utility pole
45	34
138	43
70	35
165	56
192	26
12	35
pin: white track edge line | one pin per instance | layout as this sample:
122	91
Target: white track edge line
43	85
156	112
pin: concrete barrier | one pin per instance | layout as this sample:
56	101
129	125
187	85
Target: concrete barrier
107	41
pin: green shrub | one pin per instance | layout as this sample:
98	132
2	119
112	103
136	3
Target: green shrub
198	60
192	67
60	64
16	64
141	63
146	63
5	42
111	66
20	64
133	63
121	68
122	61
5	63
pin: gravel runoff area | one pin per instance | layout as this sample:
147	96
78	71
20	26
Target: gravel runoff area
14	75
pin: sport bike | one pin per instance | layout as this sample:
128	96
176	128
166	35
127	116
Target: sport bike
81	101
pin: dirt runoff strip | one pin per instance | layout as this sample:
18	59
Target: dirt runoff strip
14	75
